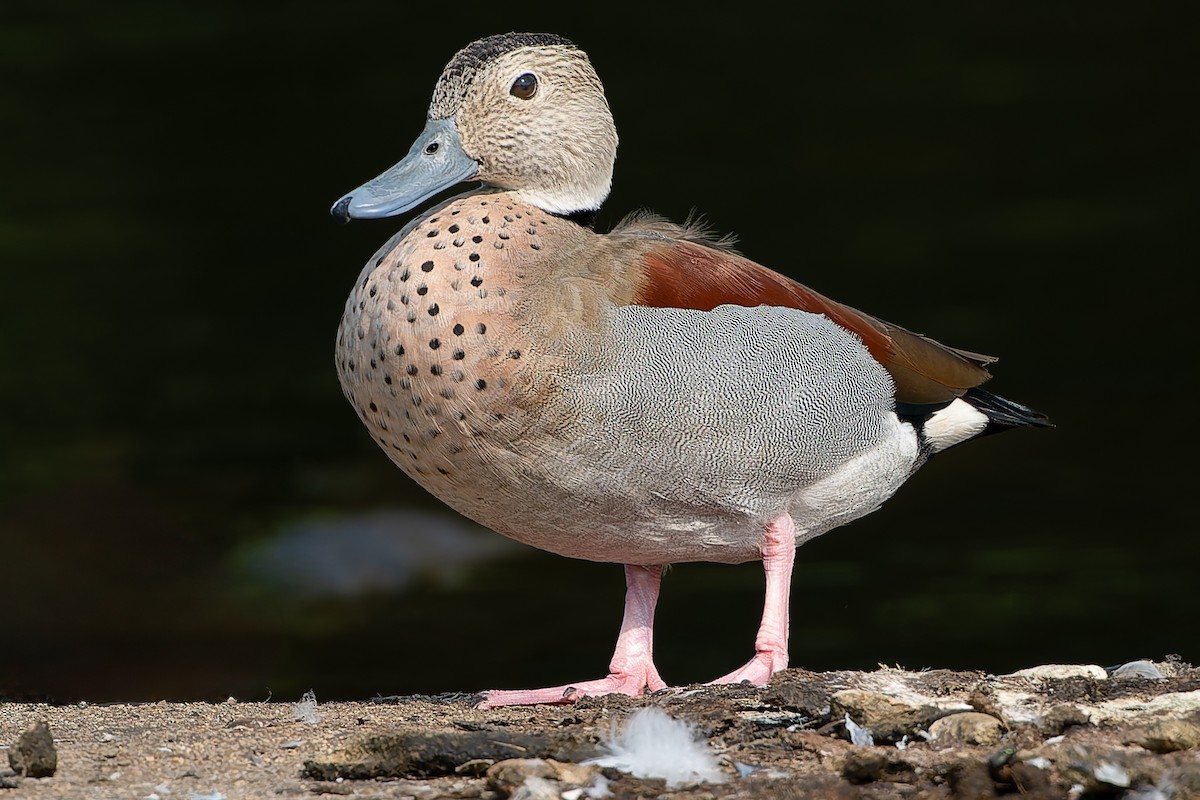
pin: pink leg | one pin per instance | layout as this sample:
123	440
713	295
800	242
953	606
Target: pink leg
631	670
771	644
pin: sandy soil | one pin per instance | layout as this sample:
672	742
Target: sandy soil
1055	732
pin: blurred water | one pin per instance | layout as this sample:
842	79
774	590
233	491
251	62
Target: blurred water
1009	181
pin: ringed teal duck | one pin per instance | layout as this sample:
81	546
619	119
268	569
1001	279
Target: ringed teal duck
643	396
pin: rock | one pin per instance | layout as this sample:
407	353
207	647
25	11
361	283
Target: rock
1107	769
1145	670
798	690
967	727
867	765
34	754
421	753
508	776
971	779
1060	671
1166	734
1138	709
535	788
888	717
1058	718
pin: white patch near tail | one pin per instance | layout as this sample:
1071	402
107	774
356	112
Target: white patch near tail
653	744
953	425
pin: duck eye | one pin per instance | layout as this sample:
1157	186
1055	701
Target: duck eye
431	148
525	86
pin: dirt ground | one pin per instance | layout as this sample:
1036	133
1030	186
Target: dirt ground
1052	732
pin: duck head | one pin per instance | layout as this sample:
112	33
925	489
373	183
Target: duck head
522	112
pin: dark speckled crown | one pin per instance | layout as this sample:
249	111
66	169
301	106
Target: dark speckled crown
471	59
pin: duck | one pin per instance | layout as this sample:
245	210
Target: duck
645	396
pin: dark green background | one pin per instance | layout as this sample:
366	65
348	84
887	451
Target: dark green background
1009	180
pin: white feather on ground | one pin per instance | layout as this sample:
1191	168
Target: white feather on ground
653	744
859	736
306	709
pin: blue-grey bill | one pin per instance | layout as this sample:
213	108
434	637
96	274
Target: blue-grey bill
436	161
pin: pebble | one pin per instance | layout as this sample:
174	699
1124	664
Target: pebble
34	754
1139	669
1059	671
968	727
1167	734
512	773
887	718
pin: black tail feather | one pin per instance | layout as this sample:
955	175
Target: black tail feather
1004	414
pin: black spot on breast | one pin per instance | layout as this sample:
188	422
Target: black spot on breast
404	275
422	290
453	229
459	355
458	330
481	328
477	281
474	256
387	379
411	369
435	370
476	239
514	354
439	469
434	344
433	310
373	407
432	234
427	266
399	349
481	384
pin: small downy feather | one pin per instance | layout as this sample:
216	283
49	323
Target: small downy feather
653	744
